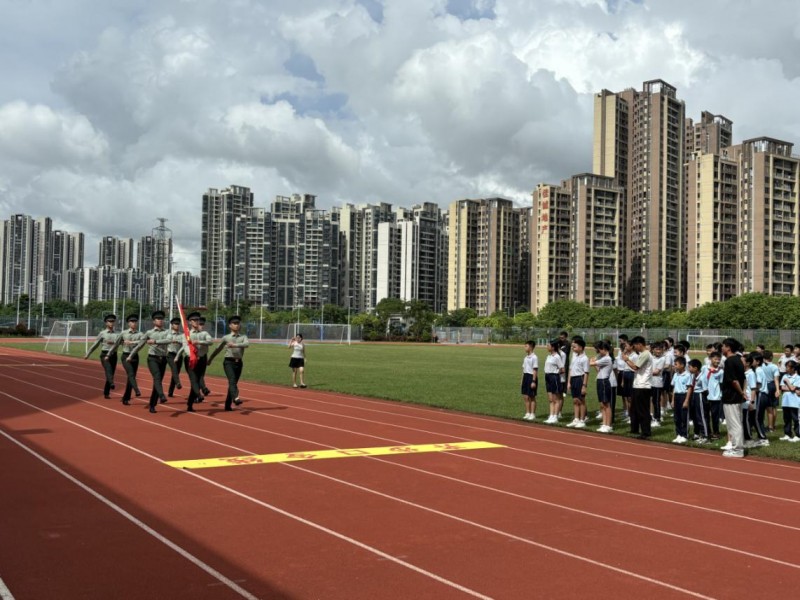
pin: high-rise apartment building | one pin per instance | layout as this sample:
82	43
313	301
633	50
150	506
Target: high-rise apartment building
639	140
25	258
116	253
713	229
220	210
483	265
769	217
550	245
67	255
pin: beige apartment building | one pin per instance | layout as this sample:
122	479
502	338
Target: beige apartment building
483	264
639	141
769	219
550	243
712	231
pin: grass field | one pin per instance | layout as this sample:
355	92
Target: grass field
477	379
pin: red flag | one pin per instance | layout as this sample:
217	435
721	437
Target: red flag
192	348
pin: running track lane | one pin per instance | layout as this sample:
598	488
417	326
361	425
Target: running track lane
309	425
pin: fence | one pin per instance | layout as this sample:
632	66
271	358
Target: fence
773	339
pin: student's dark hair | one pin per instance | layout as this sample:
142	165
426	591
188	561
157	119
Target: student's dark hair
767	354
715	353
564	333
531	343
793	363
682	347
638	340
695	363
761	348
755	357
580	341
622	336
602	345
685	343
554	345
749	359
789	346
670	340
680	360
711	345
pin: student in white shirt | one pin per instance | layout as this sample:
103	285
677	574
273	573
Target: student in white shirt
530	380
553	372
578	382
642	386
604	363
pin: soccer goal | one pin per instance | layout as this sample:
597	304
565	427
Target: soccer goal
62	333
334	333
700	341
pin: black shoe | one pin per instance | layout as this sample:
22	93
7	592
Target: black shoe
113	387
106	396
199	399
126	402
190	409
170	394
153	409
302	385
206	391
228	408
162	399
642	437
179	386
237	402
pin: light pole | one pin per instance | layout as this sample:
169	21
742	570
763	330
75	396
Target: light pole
19	293
115	272
349	303
30	290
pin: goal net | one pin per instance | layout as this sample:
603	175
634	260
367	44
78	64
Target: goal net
64	333
334	333
700	341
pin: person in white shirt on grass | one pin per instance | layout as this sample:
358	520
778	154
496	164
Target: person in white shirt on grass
553	372
578	382
604	363
530	380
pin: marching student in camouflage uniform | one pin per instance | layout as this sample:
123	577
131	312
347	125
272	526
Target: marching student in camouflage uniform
234	344
158	340
108	354
128	339
176	341
201	347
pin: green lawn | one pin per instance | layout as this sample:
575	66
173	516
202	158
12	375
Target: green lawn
477	379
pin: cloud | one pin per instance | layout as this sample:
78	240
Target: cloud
124	112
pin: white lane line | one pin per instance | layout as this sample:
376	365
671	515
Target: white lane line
184	553
672	450
5	593
374	492
170	544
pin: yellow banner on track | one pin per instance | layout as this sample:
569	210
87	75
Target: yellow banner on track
260	459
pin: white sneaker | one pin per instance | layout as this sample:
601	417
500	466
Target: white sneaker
582	425
573	423
749	443
599	415
762	443
628	420
794	439
527	416
733	454
604	429
655	423
728	446
532	418
677	440
551	419
691	423
785	438
722	422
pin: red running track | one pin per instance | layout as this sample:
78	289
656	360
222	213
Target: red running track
90	510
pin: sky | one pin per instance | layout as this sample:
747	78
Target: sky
116	112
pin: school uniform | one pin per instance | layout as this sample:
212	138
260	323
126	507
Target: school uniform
530	369
552	373
762	400
659	364
749	404
713	408
578	373
790	402
681	382
698	402
604	366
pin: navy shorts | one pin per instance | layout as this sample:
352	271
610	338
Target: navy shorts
576	386
666	378
552	382
525	388
626	389
604	391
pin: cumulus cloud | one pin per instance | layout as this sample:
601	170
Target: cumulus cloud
130	111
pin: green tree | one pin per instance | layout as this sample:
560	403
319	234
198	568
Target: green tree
457	318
